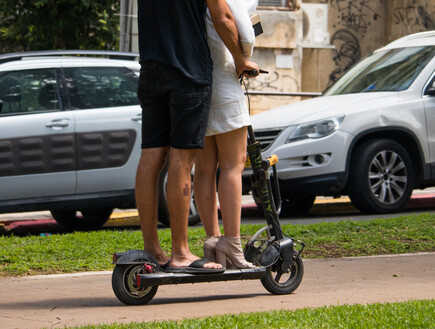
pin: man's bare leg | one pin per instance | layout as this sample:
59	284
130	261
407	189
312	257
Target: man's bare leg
178	198
150	165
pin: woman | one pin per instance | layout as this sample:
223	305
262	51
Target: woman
225	146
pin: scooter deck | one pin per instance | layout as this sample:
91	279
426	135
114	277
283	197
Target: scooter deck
166	278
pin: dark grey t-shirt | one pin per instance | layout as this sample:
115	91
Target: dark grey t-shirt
173	32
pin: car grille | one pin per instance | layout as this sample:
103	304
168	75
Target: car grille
266	137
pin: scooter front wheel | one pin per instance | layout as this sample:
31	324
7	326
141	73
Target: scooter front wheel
278	282
124	285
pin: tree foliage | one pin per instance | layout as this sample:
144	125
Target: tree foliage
27	25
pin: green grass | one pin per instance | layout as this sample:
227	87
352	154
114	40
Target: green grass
92	251
410	314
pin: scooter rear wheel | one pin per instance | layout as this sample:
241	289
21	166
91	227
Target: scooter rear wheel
278	282
124	285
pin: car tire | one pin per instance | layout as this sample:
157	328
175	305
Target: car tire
297	203
381	177
294	203
163	211
82	220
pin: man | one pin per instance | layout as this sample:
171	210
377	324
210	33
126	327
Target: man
175	92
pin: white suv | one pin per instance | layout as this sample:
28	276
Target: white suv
70	135
371	135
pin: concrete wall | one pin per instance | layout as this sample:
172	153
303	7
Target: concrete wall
356	28
409	16
278	51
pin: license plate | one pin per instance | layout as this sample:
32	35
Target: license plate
248	162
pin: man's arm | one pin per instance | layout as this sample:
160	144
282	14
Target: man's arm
225	26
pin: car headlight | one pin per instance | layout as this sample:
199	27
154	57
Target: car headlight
315	129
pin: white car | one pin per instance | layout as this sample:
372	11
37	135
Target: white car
371	135
70	129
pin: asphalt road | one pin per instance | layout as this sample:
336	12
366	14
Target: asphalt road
338	213
324	210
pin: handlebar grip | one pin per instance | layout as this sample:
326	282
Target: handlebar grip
273	159
270	161
253	73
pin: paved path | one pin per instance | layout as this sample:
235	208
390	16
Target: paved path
71	300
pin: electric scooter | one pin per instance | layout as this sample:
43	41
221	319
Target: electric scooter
277	257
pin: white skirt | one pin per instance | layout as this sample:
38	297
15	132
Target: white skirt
229	110
227	117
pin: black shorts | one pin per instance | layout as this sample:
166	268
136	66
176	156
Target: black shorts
174	109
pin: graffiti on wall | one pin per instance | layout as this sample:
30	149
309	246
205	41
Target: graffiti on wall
355	15
353	19
358	27
273	82
269	82
347	52
415	18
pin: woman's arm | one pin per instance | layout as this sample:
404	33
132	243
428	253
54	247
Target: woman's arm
244	25
225	26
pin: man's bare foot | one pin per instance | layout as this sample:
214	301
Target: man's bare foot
161	257
189	259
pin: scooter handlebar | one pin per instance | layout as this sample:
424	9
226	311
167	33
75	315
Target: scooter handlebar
269	162
253	73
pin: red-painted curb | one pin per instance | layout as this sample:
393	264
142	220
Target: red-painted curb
422	200
249	210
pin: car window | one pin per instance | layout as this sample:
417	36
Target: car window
29	91
390	70
101	87
430	89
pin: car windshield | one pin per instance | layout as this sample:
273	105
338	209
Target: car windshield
389	70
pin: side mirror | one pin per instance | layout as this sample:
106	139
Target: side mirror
1	106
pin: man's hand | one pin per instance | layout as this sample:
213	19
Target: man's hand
245	67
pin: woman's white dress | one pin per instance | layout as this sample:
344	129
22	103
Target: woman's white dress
229	110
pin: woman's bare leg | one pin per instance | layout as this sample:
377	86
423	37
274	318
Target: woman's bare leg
231	149
204	185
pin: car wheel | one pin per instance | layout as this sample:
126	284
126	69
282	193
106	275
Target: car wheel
82	220
163	211
381	177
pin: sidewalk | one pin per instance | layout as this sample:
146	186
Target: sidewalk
57	301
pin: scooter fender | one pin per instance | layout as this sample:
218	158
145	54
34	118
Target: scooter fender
286	251
134	256
270	255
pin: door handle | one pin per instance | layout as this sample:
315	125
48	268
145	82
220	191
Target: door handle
59	123
137	117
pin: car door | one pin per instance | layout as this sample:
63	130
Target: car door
107	119
429	107
37	157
